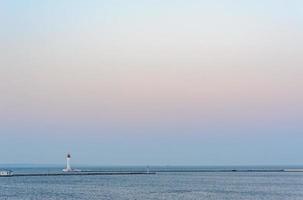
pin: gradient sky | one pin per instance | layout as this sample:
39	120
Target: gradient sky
158	82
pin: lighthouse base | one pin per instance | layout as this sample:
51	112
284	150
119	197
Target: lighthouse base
71	170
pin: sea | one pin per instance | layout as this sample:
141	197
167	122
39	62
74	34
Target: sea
169	183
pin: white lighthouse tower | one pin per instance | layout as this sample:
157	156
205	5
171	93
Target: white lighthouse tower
68	167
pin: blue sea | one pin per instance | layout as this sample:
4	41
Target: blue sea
184	183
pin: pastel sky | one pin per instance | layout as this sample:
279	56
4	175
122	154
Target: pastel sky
158	82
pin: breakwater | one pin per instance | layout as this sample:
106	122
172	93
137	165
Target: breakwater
112	173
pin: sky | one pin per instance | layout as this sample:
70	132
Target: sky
158	82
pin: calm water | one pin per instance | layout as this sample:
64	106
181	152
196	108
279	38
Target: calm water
163	185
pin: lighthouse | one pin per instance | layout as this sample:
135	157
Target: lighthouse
68	167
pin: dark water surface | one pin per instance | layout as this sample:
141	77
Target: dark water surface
163	185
